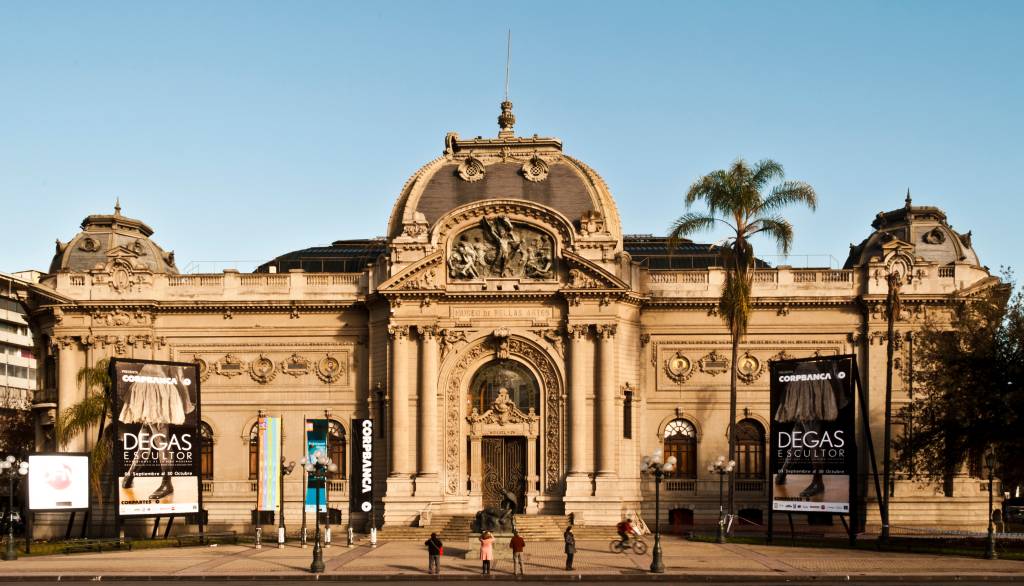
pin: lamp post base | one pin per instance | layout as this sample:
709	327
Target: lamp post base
657	565
9	556
317	566
990	548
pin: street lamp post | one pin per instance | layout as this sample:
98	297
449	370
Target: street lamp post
892	310
317	467
658	466
13	469
721	468
286	469
990	546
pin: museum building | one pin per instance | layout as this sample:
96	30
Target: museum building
506	337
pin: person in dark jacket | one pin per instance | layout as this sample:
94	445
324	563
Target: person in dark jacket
517	544
570	547
434	545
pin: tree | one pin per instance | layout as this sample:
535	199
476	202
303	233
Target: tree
16	433
970	376
735	198
91	412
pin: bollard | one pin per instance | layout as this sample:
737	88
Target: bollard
351	536
303	538
259	538
327	537
280	537
373	537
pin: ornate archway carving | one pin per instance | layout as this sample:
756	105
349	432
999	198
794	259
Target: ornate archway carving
455	384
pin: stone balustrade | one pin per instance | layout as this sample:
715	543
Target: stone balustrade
226	286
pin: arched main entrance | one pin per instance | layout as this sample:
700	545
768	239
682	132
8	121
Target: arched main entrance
503	403
503	441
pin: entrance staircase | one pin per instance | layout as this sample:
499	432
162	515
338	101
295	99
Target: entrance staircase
459	528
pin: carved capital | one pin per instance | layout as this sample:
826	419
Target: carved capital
607	331
396	332
577	331
428	332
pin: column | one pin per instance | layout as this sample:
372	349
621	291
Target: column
579	433
401	463
427	444
606	427
68	364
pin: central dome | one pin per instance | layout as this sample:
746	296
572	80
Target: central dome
507	167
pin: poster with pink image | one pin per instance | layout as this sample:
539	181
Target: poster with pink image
58	482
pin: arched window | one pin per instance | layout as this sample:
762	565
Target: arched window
681	442
508	374
336	449
206	451
749	450
254	451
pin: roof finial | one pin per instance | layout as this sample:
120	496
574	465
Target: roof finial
908	200
506	119
117	207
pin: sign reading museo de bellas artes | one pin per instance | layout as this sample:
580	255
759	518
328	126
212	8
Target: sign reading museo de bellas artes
361	492
156	426
812	450
316	440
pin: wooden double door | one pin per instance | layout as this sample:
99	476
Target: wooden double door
504	467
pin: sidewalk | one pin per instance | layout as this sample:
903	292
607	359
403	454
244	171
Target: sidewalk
406	560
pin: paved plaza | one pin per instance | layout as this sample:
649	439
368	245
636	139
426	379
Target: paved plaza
407	560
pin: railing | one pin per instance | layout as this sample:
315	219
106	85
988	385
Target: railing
195	280
766	277
208	486
946	272
338	486
691	486
328	280
263	280
78	280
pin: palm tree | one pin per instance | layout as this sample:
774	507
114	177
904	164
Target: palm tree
87	414
735	198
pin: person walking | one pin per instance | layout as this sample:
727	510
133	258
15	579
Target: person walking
570	547
486	550
517	545
434	549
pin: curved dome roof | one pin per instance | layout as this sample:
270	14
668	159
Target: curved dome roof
507	167
108	236
925	228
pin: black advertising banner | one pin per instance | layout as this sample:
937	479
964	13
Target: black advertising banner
156	426
361	492
812	450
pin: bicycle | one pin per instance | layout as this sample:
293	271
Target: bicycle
637	544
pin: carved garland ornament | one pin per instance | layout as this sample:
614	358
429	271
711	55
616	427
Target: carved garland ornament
295	365
229	366
713	364
454	440
471	169
330	369
679	368
262	370
535	170
750	368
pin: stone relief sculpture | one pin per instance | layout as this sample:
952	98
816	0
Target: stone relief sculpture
498	248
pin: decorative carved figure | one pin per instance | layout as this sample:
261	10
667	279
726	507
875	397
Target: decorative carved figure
329	369
750	368
934	236
500	248
262	370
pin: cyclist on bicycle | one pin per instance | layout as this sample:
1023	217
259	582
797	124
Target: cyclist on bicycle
625	529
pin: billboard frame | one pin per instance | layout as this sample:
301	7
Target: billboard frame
856	510
28	492
112	400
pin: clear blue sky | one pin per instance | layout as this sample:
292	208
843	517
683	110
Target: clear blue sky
242	130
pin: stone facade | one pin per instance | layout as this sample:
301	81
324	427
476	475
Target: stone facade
509	250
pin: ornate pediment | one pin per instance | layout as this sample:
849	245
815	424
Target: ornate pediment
422	276
584	274
504	413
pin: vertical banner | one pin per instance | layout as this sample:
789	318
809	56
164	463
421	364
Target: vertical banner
156	426
361	492
269	444
812	450
316	440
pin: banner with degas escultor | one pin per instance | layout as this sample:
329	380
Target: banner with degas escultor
157	439
813	455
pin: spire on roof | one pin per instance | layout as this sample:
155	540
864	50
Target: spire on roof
908	201
117	207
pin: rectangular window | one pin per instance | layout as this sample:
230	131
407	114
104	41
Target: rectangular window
627	415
